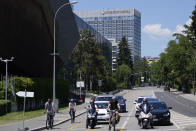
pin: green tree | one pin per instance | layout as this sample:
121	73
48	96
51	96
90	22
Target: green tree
124	54
89	61
122	75
140	69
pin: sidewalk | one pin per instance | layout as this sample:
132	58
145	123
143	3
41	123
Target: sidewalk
184	95
38	123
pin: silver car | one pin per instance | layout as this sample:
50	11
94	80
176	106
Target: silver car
103	114
104	97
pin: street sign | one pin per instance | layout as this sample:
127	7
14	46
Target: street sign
22	94
80	83
99	83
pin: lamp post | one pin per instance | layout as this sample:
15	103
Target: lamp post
6	72
54	52
194	56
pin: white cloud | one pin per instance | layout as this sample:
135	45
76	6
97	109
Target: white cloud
155	31
180	28
189	22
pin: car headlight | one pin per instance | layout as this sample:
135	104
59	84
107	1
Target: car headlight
166	114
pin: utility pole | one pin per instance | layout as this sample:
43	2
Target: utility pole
6	72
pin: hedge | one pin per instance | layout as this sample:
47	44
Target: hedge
42	88
3	107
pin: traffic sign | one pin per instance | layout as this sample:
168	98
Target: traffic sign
80	83
99	83
25	94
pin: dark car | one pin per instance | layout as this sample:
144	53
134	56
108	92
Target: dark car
122	103
139	101
166	88
160	112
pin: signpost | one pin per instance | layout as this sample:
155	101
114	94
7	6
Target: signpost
24	94
99	84
80	84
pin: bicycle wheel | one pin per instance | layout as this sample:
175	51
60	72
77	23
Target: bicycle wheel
71	116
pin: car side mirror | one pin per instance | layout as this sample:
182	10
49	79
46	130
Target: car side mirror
134	102
125	99
169	107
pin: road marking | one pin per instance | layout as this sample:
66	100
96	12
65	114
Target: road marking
125	123
75	126
175	123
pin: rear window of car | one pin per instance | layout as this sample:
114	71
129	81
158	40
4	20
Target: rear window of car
159	106
102	105
119	97
152	99
140	100
103	99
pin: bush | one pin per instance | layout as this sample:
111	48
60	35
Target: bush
3	107
43	89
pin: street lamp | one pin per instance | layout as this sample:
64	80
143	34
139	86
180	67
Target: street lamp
6	62
194	56
54	52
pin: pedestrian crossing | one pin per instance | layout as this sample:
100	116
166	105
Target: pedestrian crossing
182	121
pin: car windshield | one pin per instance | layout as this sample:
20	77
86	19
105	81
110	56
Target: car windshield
103	99
102	105
159	106
119	97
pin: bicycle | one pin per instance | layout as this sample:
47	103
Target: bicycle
72	114
49	121
113	119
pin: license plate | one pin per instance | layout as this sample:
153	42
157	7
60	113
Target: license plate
155	119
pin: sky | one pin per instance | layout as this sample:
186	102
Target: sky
159	19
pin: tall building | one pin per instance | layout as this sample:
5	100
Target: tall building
116	24
114	53
104	44
151	59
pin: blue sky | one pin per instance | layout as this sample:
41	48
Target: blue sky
160	18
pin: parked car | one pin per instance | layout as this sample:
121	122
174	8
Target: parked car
166	88
160	112
139	101
103	114
104	97
122	103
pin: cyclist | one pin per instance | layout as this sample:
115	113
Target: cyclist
72	106
113	105
49	109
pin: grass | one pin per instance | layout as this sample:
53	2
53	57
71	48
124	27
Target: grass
17	116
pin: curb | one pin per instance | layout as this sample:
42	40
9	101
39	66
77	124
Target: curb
60	122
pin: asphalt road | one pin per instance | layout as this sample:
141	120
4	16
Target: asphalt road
128	122
178	103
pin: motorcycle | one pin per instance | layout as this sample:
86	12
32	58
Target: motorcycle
145	119
91	118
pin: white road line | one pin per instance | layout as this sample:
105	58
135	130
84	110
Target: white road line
175	123
125	123
185	124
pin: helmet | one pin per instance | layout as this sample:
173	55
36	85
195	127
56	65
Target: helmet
91	101
71	100
145	100
113	97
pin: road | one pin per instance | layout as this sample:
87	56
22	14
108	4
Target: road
128	121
